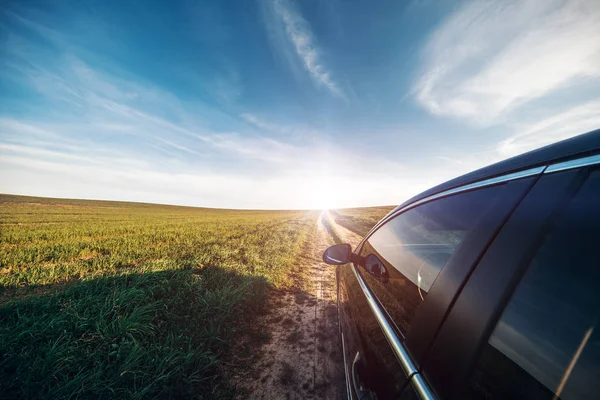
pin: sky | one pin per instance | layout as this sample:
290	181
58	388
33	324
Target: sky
284	104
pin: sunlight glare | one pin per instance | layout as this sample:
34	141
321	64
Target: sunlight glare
324	193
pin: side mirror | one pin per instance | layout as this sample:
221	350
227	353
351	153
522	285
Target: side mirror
338	254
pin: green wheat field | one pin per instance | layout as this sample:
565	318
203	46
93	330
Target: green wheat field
104	299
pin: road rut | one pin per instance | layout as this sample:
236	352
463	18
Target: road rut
303	358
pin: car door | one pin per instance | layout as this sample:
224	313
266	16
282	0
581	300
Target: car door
526	323
391	298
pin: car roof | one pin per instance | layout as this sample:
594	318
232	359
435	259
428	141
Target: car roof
578	146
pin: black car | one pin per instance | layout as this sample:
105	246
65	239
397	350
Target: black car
484	287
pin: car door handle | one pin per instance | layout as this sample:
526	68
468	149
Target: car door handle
362	393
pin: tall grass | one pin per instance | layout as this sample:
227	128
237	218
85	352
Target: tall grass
126	300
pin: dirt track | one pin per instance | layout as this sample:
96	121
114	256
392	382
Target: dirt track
345	235
302	359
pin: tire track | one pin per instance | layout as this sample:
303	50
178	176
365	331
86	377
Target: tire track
303	359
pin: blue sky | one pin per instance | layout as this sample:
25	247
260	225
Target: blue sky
284	104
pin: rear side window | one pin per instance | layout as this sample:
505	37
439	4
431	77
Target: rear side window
403	258
547	342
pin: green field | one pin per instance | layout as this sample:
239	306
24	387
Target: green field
360	220
109	299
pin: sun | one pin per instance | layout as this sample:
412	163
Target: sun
325	194
326	201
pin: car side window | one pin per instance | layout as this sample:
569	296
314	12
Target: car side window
402	259
546	344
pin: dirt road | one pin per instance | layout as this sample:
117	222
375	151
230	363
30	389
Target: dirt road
345	235
302	359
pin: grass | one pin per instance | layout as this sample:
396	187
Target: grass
360	220
111	300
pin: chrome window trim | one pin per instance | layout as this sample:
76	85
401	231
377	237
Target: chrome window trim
487	182
407	365
578	162
348	390
416	379
421	388
409	368
544	169
406	362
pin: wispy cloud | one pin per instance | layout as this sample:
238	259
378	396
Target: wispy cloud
262	124
574	121
273	175
296	132
98	135
289	29
93	128
526	136
488	58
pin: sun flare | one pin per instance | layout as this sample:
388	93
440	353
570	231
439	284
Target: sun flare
325	193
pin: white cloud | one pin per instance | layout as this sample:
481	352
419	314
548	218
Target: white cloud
263	124
46	158
304	180
289	28
573	122
95	107
297	132
91	133
489	57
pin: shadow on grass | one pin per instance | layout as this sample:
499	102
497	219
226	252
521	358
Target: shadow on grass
139	335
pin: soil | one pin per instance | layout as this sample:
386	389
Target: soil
346	235
302	357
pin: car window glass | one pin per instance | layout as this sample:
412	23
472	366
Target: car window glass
403	257
547	342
